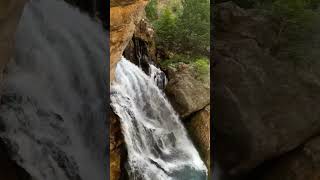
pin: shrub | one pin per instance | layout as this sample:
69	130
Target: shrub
194	26
202	67
177	58
184	27
152	10
166	30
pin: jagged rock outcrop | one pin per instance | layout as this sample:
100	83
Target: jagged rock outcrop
264	106
124	16
199	129
187	93
302	164
141	50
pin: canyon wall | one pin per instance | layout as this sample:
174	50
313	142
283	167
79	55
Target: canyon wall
124	16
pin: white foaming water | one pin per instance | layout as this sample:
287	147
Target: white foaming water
158	76
157	143
53	105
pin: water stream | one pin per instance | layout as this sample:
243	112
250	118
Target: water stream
52	111
157	143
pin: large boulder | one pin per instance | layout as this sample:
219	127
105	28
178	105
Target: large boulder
264	106
303	164
199	130
124	16
185	91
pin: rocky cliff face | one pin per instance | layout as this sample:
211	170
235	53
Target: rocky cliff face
124	16
264	106
141	49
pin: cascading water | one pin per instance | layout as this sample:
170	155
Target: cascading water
52	111
157	143
158	76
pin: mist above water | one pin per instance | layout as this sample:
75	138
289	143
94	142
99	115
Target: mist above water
157	143
53	107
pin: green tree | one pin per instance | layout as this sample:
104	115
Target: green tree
166	30
194	26
152	10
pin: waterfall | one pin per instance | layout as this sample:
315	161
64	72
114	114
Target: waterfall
157	143
158	76
52	110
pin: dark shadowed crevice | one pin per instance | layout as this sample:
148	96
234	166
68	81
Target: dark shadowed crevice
9	169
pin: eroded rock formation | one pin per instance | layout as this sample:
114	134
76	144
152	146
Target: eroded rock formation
141	50
124	16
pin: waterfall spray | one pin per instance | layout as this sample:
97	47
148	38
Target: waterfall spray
157	143
53	106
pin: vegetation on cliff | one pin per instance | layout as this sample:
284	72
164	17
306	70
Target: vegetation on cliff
182	27
182	32
199	64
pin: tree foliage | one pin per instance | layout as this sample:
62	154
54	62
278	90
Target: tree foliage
166	30
184	26
194	25
152	10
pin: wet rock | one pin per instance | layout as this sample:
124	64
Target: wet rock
199	130
141	50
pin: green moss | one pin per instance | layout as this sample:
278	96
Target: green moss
176	59
200	65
